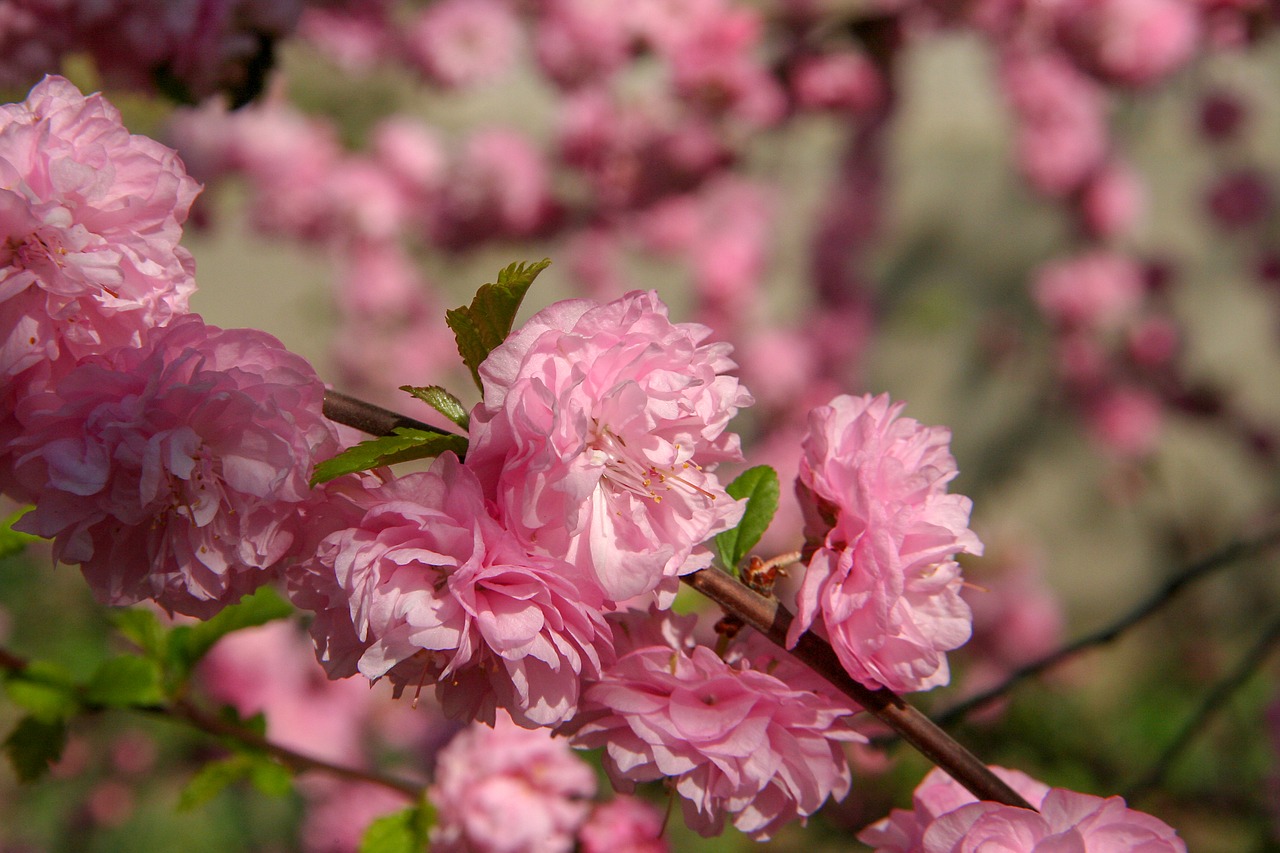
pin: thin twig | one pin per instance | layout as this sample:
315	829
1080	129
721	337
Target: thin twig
1201	568
1213	701
366	417
197	717
773	620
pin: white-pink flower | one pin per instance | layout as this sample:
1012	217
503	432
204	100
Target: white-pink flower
509	790
596	438
90	218
948	819
177	470
882	582
424	586
738	742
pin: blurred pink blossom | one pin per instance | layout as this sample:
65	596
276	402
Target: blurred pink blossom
597	435
581	41
847	81
459	43
1125	420
623	825
509	790
1131	42
948	819
1060	123
1112	200
882	583
1096	290
1240	199
356	36
176	471
339	812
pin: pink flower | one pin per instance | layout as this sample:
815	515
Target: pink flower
1112	200
623	825
579	41
1096	290
948	819
882	581
1133	42
847	80
90	219
500	185
596	436
355	35
737	740
1125	420
1060	115
464	42
177	470
431	589
339	812
509	790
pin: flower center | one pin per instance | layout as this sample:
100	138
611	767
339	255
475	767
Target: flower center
629	471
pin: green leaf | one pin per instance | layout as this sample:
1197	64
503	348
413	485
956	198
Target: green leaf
759	485
403	445
401	832
46	690
212	779
442	401
482	326
189	643
143	629
125	682
34	745
14	541
271	777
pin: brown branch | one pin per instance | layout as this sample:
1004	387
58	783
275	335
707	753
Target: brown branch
1201	568
366	417
772	620
203	720
1213	701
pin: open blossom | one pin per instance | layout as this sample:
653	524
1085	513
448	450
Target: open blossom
596	436
509	790
948	819
90	218
464	42
882	581
424	586
739	741
177	470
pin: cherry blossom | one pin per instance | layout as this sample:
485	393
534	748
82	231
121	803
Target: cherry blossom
509	789
597	436
882	582
948	819
423	586
176	471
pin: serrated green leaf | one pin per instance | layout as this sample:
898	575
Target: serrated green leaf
759	485
442	401
404	445
189	643
46	690
125	682
35	745
142	627
486	322
400	832
14	541
212	779
271	777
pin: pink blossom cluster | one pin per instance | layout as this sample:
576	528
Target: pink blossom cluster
168	458
184	51
752	736
945	818
509	789
882	582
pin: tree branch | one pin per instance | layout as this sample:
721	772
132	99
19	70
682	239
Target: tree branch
1210	705
1201	568
212	724
773	620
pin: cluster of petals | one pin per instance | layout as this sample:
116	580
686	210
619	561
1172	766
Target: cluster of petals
509	789
176	470
1099	289
625	824
422	585
882	582
90	218
736	740
946	818
597	434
